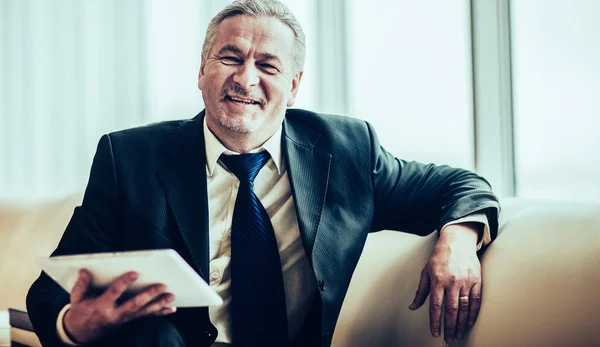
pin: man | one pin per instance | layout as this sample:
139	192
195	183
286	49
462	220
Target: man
271	206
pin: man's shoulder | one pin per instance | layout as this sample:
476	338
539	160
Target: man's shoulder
322	122
151	131
298	114
147	140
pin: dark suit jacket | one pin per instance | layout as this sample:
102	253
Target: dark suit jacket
147	190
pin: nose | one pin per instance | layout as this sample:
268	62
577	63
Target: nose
246	76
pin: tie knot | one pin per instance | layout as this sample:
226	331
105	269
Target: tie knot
246	166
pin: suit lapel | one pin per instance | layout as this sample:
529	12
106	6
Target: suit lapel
308	170
183	177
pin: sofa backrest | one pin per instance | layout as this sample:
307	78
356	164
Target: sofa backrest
28	232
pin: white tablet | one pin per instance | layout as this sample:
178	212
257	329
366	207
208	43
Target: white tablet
154	266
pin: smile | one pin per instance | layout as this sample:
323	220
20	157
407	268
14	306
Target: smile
241	100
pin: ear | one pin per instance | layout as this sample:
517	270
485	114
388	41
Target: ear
295	86
201	74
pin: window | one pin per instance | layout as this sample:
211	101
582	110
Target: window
556	76
410	76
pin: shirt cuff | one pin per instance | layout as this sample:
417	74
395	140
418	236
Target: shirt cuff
60	328
477	218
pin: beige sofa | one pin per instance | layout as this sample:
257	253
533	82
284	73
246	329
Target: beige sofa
541	277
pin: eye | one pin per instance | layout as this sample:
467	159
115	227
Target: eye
230	60
269	68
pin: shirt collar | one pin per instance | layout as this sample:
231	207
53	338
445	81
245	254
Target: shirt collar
214	148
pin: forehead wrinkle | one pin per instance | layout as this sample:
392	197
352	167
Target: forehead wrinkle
231	48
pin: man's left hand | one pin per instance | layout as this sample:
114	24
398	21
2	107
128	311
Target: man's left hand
453	273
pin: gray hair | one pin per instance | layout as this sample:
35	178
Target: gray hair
270	8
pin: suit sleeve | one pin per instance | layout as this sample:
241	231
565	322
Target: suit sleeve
420	198
93	228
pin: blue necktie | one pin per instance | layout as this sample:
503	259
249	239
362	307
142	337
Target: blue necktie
259	316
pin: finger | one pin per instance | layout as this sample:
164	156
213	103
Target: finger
463	312
117	288
80	287
474	303
167	311
450	313
155	307
436	298
135	303
422	291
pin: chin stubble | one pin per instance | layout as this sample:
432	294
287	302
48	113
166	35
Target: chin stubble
235	124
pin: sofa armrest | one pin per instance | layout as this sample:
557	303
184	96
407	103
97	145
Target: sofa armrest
540	280
541	277
21	330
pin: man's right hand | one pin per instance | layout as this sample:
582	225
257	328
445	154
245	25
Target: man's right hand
90	318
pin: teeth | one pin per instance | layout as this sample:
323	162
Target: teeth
241	100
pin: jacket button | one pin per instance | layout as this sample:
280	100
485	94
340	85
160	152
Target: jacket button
327	338
321	284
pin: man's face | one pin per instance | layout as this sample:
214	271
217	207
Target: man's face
249	80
